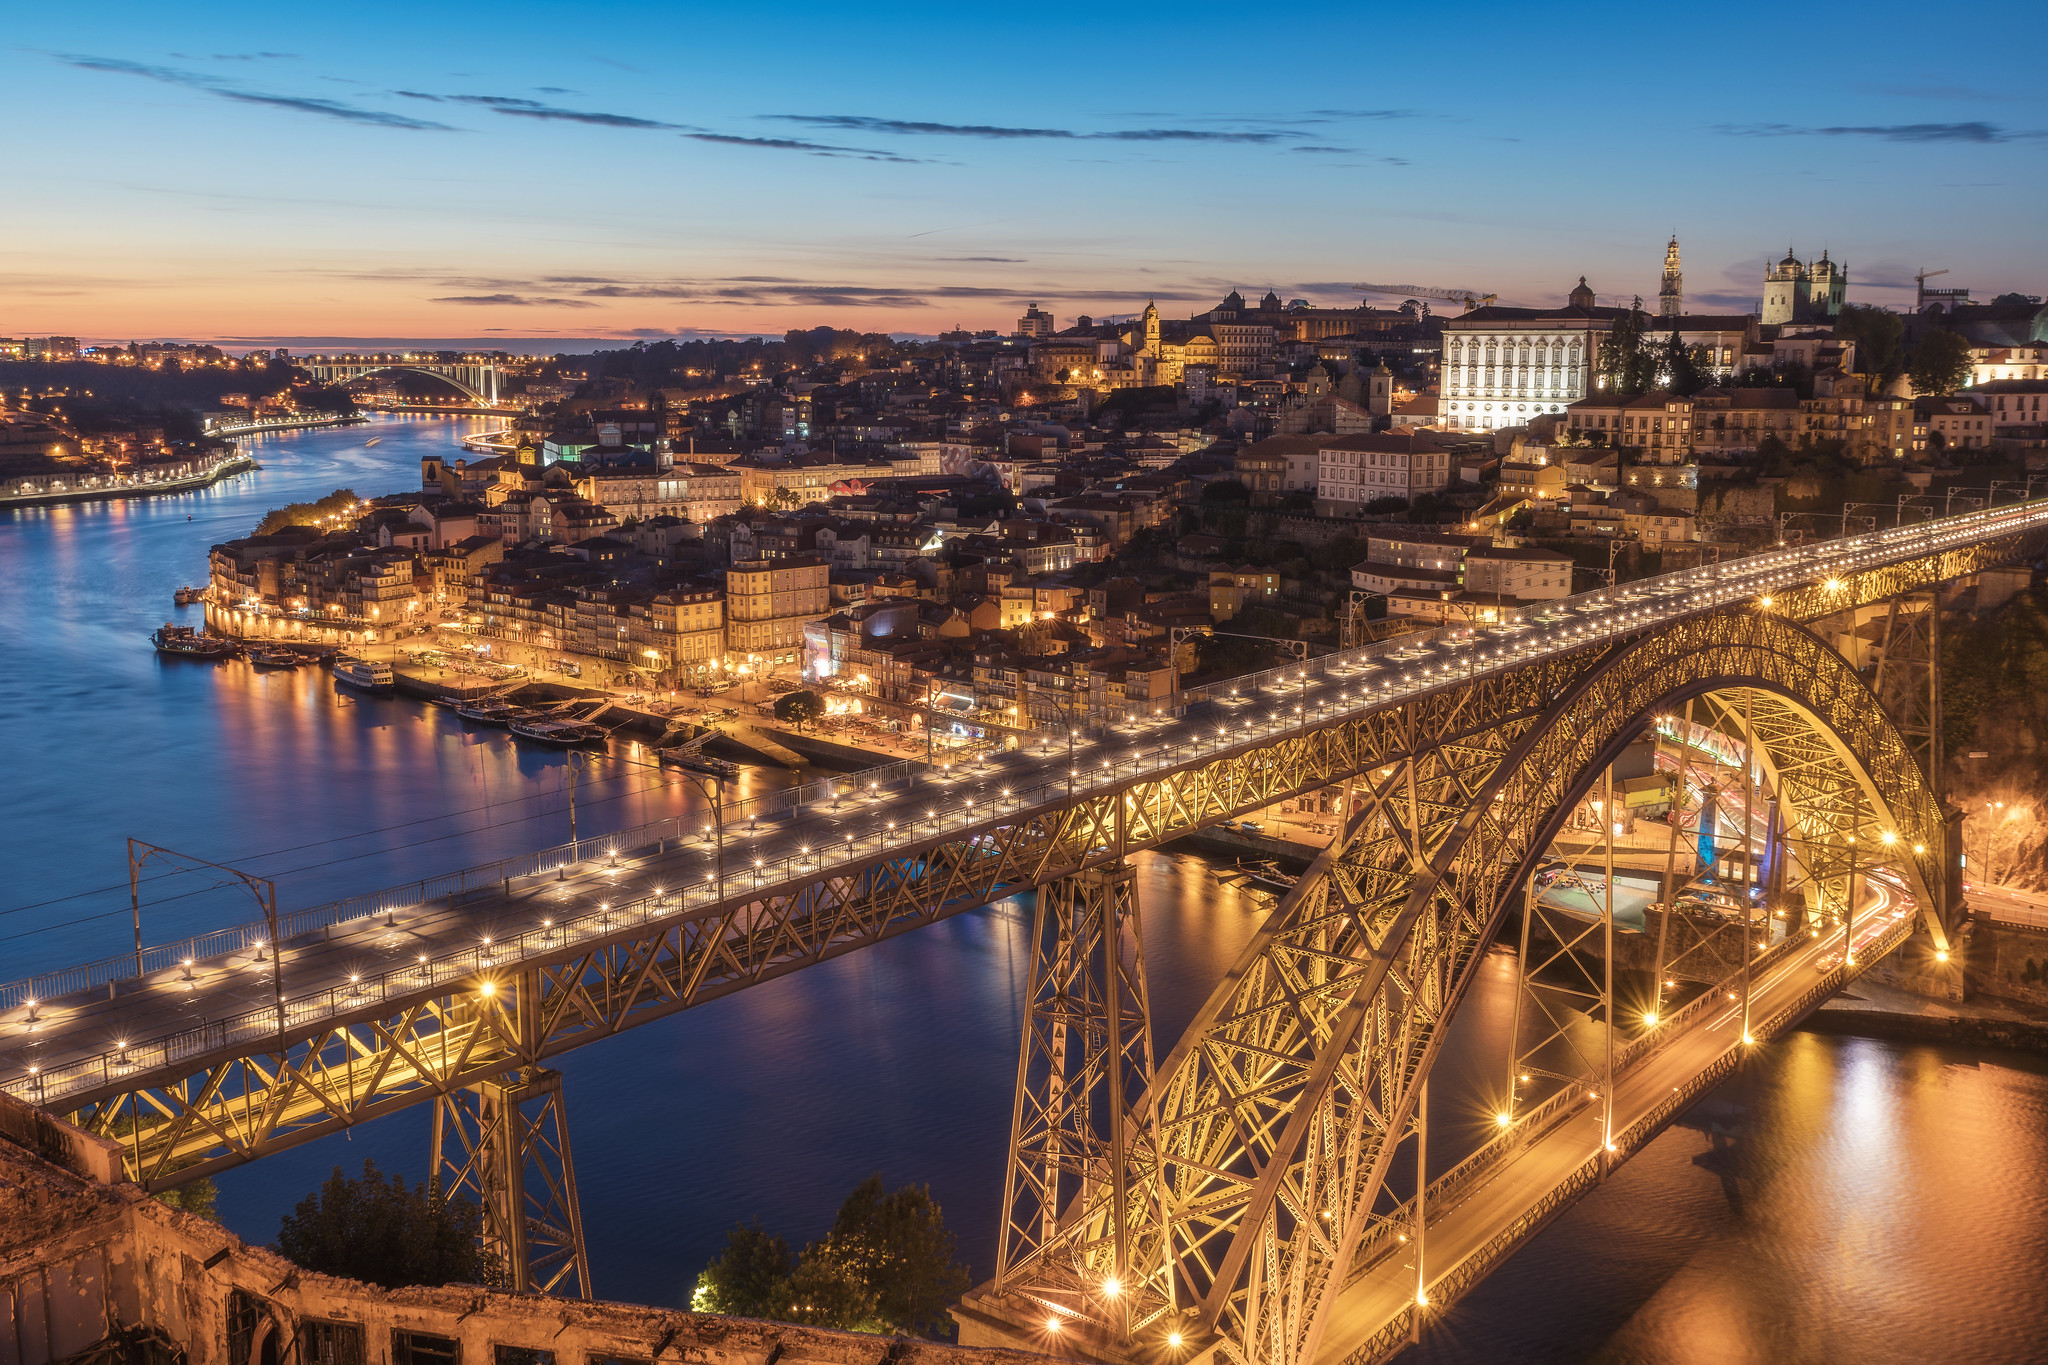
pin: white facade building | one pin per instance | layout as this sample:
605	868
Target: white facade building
1351	471
1503	366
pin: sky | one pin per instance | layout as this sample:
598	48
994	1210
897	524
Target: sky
520	174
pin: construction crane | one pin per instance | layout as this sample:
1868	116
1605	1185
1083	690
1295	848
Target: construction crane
1418	291
1921	293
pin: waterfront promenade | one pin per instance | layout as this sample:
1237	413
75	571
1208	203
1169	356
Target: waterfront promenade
47	490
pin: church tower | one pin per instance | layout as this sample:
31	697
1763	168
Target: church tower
1379	391
1671	295
1152	330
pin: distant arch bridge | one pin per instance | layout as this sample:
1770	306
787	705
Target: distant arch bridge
478	377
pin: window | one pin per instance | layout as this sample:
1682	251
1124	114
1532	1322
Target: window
422	1348
521	1355
330	1343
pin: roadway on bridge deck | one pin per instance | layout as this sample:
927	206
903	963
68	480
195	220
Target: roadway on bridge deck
1477	1214
1320	693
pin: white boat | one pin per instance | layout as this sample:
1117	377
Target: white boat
367	674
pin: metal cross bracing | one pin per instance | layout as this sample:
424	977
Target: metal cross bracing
1277	1115
1422	723
505	1143
1085	1057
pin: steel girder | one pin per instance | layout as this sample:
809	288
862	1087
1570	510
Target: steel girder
1277	1113
233	1096
183	1116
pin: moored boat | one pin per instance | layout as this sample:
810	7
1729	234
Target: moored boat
368	675
273	656
187	643
697	762
489	711
560	733
187	595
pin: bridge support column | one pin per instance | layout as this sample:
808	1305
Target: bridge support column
1084	1060
506	1143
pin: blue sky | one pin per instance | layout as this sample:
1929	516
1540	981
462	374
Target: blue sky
628	169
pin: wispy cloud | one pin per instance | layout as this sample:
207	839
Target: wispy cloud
1973	131
798	144
867	124
511	301
996	260
304	104
1367	113
525	108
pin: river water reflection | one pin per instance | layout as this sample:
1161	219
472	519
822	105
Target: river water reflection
1874	1202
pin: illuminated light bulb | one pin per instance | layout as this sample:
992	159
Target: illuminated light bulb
488	988
1173	1339
1502	1120
1941	954
1052	1324
1112	1286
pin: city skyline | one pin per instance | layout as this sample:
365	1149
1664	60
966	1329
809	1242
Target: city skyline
268	178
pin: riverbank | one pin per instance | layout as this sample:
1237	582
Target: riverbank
227	467
296	424
1872	1009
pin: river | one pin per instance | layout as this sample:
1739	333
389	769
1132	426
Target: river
1864	1202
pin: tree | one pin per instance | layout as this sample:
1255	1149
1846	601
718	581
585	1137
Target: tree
887	1265
751	1280
898	1247
2015	300
1386	506
1626	360
195	1196
1680	363
377	1230
799	708
1879	335
1941	363
1226	490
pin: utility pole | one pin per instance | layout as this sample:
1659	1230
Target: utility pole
135	901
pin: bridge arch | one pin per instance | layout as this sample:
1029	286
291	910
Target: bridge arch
431	371
1271	1125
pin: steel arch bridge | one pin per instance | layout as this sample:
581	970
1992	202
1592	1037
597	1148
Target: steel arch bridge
1236	1199
477	378
1254	1169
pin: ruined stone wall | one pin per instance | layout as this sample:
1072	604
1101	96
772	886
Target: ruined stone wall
84	1264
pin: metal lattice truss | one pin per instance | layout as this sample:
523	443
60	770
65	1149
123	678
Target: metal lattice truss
506	1145
1430	773
1278	1112
1086	1057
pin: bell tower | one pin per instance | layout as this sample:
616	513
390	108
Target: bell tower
1671	294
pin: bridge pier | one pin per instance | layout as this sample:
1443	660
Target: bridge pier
507	1143
1084	1061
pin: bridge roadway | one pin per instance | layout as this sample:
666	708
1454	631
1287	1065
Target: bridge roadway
1480	1222
69	1051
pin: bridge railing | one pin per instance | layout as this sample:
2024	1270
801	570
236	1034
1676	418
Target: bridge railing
448	969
